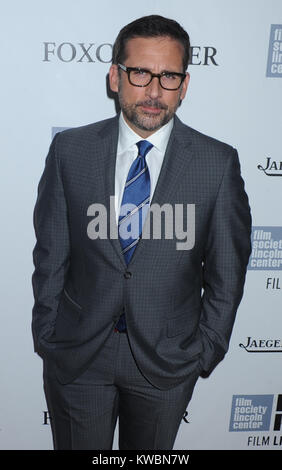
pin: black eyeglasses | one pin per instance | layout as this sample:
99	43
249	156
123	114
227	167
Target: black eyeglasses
142	77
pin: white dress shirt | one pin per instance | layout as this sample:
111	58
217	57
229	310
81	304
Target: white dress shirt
127	151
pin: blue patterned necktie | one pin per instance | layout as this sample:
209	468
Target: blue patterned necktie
134	207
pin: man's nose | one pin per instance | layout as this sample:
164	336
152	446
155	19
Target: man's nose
154	89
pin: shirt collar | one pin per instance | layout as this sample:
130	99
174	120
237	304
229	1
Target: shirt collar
128	138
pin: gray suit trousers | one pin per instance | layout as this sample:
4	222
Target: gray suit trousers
84	412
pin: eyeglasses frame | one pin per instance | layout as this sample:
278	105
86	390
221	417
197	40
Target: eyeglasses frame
153	75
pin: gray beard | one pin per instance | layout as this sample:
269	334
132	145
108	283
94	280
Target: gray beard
143	122
146	121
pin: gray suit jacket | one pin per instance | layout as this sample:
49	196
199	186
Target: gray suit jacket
180	305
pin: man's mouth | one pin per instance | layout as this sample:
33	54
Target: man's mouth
151	107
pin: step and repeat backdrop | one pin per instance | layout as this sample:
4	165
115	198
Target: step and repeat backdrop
55	58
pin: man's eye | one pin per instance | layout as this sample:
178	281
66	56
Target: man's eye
170	76
140	72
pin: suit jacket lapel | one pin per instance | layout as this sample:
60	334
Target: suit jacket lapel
177	155
109	141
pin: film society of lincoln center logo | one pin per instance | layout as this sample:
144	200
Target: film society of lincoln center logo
251	413
256	413
266	249
274	61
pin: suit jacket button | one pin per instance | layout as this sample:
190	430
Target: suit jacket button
127	274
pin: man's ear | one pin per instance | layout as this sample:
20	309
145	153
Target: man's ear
185	86
114	78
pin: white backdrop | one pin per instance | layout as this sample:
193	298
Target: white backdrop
48	80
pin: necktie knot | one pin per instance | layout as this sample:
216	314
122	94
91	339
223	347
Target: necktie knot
144	147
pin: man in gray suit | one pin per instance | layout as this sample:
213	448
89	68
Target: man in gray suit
127	315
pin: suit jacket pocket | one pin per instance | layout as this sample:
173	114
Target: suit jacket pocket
69	309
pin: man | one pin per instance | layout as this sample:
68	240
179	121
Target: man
127	321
